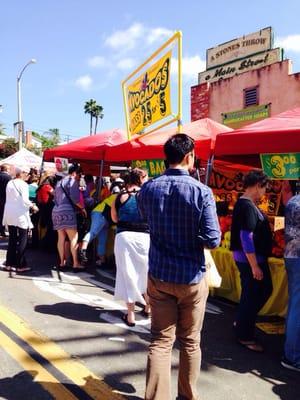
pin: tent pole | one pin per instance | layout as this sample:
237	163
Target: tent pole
96	196
209	168
99	185
41	169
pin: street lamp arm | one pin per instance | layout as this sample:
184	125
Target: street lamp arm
20	122
32	61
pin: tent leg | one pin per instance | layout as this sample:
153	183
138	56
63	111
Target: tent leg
41	170
97	195
209	168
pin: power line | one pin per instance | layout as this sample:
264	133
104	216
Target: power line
43	129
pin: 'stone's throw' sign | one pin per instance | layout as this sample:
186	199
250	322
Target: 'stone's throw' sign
238	67
148	97
236	119
281	166
154	167
239	48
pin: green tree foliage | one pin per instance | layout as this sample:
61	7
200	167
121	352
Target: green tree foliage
8	147
96	112
50	139
2	128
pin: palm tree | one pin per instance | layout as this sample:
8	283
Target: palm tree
89	109
98	113
2	129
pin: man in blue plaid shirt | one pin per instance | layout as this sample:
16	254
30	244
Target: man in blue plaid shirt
181	214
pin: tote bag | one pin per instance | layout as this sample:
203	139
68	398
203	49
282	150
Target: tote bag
212	275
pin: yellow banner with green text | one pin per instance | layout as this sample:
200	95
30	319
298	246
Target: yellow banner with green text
154	167
148	97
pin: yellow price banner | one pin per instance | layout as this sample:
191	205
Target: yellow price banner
148	97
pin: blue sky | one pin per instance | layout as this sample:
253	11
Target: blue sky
84	49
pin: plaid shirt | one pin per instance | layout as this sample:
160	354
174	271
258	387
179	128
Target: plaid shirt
181	213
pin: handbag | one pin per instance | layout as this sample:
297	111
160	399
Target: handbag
82	221
212	276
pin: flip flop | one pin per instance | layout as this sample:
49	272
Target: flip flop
124	319
252	346
24	269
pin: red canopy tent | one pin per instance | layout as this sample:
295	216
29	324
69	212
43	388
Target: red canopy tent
203	131
278	134
89	150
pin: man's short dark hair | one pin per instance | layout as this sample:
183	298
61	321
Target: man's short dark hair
177	147
255	177
4	167
75	168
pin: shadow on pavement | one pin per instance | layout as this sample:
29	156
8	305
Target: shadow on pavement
74	311
220	349
23	386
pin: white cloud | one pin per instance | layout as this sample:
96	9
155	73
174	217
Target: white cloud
84	82
289	43
137	34
126	63
97	62
125	39
158	34
191	66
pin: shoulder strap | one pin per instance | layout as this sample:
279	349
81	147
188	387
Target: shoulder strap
69	198
118	201
17	188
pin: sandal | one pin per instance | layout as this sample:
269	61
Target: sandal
60	268
252	345
7	268
144	313
124	319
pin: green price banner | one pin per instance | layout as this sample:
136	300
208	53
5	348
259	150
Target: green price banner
281	166
154	167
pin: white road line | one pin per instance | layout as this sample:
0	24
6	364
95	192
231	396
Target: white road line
139	328
67	291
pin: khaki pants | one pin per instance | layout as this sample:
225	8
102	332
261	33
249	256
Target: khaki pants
177	312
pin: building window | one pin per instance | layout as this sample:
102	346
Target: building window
251	96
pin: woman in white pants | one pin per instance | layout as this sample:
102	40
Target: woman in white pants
131	247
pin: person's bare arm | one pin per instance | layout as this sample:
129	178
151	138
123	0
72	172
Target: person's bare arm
113	211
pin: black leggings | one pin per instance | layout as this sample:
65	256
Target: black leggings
17	242
253	297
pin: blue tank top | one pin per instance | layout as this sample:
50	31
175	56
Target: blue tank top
128	213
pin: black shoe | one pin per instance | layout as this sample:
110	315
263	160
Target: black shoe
125	320
83	257
79	269
289	365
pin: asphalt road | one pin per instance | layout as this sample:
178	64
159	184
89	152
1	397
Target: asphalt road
66	340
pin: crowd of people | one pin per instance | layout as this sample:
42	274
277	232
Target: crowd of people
51	211
163	226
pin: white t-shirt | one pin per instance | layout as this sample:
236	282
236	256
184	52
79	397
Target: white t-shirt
16	210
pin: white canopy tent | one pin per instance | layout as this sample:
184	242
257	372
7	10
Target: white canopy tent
25	158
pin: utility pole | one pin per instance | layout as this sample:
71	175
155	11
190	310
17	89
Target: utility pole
20	122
